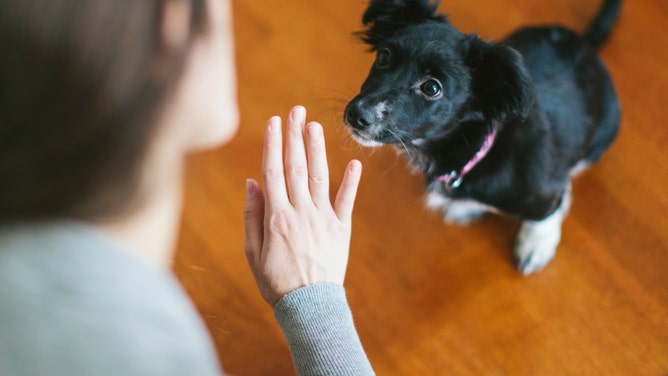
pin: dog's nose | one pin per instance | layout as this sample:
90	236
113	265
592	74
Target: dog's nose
358	117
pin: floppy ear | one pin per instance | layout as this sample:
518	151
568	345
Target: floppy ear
384	18
501	84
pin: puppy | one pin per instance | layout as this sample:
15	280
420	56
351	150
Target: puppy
499	127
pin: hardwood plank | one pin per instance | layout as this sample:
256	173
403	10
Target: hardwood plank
430	298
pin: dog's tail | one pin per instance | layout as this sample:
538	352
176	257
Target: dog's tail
600	28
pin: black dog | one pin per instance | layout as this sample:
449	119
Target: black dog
493	126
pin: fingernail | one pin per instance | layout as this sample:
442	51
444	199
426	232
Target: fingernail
355	167
314	132
298	113
275	124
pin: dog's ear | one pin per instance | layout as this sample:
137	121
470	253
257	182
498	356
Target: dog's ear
384	18
501	84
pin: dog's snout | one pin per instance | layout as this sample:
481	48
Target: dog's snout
358	117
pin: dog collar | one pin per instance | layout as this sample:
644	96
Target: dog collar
453	179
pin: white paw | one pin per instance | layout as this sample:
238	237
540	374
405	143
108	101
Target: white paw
460	212
535	246
537	241
463	212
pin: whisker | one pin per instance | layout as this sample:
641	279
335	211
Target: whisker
465	139
401	141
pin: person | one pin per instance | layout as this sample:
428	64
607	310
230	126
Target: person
100	102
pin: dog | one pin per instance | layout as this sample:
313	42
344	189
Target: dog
493	126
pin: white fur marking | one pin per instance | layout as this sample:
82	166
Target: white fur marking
418	141
579	168
460	212
436	201
537	241
367	143
463	212
380	111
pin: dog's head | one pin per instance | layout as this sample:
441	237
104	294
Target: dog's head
427	76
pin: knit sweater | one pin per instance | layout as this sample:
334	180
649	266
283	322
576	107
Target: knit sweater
74	301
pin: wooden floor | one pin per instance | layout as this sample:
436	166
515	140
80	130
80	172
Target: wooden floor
429	298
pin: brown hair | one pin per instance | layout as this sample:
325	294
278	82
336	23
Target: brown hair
81	86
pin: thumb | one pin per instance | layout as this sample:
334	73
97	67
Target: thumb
345	197
254	221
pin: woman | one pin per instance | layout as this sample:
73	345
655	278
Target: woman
100	102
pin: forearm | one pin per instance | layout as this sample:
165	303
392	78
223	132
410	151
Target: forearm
318	325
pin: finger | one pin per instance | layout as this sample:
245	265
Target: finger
318	171
272	165
296	174
253	222
345	197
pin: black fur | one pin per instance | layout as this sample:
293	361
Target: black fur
544	88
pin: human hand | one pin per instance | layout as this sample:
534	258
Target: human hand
294	236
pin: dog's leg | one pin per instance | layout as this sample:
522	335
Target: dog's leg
460	212
463	212
538	240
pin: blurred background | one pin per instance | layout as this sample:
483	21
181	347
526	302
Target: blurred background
430	298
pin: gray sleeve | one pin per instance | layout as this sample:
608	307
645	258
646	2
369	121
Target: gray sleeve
318	325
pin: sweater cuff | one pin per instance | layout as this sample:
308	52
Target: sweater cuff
318	325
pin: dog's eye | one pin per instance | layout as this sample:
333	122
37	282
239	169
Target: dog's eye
431	88
383	58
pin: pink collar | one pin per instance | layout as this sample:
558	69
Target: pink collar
454	179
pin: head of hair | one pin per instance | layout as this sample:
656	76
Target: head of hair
82	84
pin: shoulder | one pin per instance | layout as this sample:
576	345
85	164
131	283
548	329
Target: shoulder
71	300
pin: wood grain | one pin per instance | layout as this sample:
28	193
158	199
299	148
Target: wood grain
429	298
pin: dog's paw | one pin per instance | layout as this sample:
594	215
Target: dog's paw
463	213
455	212
537	241
536	245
